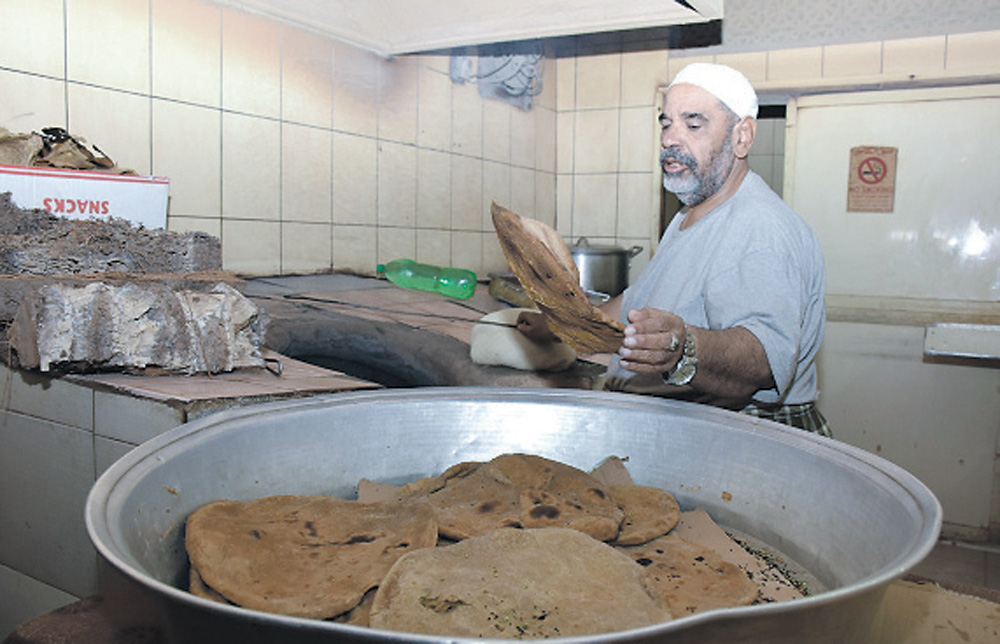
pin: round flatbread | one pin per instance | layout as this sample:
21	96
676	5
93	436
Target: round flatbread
543	264
518	584
649	513
518	490
304	556
690	578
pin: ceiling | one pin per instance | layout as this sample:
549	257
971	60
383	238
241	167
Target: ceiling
391	27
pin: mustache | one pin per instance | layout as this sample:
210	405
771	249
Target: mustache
678	155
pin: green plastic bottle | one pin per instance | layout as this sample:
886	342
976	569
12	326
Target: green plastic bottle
453	282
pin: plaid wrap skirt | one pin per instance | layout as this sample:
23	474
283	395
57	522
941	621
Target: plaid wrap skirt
803	416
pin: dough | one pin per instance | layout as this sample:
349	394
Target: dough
508	347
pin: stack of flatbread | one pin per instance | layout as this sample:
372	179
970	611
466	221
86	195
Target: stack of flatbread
543	264
304	556
520	546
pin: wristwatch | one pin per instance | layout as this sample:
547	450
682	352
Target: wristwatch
683	372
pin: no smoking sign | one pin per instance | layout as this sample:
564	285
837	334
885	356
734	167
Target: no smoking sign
871	186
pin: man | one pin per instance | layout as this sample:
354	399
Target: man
730	309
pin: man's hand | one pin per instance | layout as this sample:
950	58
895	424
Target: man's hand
732	364
654	341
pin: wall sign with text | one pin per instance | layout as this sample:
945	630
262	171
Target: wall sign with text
871	185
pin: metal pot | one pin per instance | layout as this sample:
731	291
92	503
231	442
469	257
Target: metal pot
603	269
855	521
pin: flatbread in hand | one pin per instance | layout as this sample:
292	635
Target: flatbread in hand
304	556
517	584
544	266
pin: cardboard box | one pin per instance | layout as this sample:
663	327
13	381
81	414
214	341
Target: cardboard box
77	194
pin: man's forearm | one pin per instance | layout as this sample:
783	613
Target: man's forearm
732	364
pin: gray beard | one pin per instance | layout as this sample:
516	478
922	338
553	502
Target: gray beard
698	186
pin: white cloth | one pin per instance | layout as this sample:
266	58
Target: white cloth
506	346
725	83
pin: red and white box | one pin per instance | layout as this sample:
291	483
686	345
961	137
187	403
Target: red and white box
78	194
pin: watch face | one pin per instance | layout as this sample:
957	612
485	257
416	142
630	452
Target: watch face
684	374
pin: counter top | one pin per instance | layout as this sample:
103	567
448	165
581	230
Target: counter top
284	378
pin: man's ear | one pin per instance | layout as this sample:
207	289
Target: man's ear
743	135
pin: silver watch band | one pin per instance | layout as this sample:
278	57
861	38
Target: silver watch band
685	369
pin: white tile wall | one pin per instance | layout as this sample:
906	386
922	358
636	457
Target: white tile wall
355	184
434	109
397	199
432	244
221	102
40	100
40	46
795	64
433	190
914	55
642	73
523	138
46	470
131	420
767	157
639	139
305	245
496	132
251	64
119	124
522	191
58	436
466	194
251	247
101	34
26	598
852	60
307	77
595	205
251	179
467	123
259	125
186	46
397	102
306	174
38	396
598	81
187	148
397	242
596	141
496	186
973	51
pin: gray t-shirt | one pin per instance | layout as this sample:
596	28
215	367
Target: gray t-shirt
753	263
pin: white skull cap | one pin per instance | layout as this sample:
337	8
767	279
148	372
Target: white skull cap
725	83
